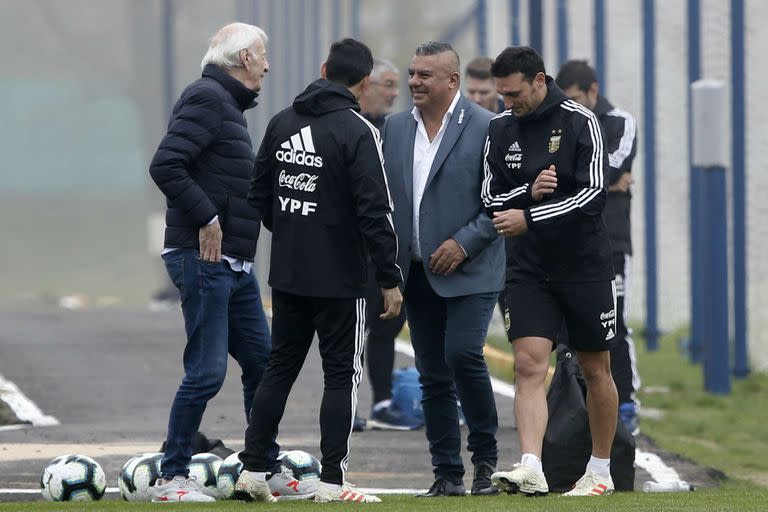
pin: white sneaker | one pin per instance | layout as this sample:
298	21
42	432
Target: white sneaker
326	494
254	487
179	489
592	484
285	487
523	479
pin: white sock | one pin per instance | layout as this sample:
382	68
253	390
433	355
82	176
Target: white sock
600	466
381	405
532	461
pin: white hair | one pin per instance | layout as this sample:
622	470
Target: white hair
382	66
224	50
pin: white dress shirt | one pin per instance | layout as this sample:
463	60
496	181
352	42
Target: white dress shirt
235	264
424	153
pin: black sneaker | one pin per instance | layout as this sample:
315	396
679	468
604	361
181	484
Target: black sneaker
443	487
481	483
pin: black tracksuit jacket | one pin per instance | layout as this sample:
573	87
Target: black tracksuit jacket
567	240
620	147
319	183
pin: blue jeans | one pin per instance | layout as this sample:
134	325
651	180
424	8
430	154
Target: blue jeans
222	315
448	334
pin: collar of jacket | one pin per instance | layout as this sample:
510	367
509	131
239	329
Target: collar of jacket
553	98
244	97
602	107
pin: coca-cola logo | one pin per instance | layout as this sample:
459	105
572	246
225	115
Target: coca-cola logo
304	182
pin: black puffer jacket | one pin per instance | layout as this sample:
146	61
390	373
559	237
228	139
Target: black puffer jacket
204	164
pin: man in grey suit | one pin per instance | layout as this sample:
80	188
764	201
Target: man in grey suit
452	259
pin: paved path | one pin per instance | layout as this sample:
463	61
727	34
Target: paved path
109	377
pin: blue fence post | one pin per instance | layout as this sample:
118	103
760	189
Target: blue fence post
649	183
481	17
168	61
514	25
694	184
738	94
562	32
708	157
600	45
535	25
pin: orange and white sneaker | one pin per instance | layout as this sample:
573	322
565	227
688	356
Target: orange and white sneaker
592	484
328	492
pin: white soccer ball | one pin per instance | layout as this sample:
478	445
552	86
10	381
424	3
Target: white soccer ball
73	478
204	467
226	478
138	476
303	465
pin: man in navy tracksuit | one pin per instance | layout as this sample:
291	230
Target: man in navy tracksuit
545	189
579	82
319	182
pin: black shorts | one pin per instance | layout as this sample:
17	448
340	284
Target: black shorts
540	308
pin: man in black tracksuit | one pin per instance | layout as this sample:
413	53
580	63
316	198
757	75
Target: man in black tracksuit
319	183
579	82
545	190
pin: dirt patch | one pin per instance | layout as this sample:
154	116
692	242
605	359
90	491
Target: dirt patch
690	471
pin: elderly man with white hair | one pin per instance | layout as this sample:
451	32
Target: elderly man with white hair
203	167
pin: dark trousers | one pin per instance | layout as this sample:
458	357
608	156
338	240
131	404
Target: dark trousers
448	336
623	358
380	344
222	315
340	327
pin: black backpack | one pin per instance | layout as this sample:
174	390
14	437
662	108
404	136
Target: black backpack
567	441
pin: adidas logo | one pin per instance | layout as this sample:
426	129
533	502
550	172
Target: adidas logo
515	147
610	335
299	150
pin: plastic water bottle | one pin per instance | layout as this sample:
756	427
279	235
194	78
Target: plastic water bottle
669	486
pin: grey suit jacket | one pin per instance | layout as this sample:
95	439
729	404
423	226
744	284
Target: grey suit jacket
451	206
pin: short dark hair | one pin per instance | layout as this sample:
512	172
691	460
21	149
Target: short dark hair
576	72
435	48
518	59
348	62
479	68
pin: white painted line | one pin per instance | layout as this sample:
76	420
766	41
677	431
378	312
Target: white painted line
656	467
24	408
20	426
376	490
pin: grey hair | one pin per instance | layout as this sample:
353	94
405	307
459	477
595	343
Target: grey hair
382	66
226	43
435	48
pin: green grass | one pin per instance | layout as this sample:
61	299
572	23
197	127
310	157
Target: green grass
727	432
728	497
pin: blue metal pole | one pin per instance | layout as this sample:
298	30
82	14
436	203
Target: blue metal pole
301	42
316	50
738	94
355	14
535	25
481	16
514	14
335	19
168	61
649	134
275	71
694	184
562	32
716	347
600	45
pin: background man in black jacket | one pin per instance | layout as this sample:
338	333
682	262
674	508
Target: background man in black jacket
376	104
203	166
545	190
319	182
579	82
